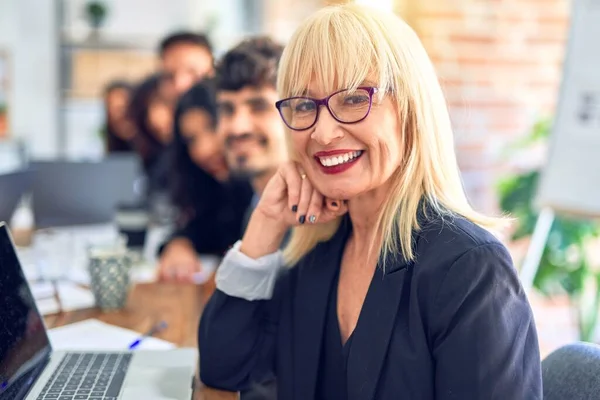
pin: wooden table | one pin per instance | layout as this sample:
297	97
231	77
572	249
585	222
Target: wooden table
180	305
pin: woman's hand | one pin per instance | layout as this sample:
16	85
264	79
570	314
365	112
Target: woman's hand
289	199
179	261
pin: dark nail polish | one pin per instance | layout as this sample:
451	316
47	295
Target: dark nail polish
334	203
294	208
302	219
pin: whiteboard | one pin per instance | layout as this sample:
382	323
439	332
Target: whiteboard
570	182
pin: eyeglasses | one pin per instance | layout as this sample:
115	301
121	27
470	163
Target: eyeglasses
347	106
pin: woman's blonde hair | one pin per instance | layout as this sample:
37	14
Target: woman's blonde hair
341	47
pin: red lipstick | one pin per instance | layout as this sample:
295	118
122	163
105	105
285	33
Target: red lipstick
339	168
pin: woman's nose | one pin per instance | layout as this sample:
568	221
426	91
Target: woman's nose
326	130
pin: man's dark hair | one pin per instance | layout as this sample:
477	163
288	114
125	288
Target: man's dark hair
185	37
253	62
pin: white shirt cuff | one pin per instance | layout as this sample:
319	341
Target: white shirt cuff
248	278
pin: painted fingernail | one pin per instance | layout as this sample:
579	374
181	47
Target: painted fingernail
302	219
312	219
334	203
294	208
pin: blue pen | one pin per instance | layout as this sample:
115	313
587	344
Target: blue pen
154	330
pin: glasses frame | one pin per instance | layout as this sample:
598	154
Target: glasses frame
325	102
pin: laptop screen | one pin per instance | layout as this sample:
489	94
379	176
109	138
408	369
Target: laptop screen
24	344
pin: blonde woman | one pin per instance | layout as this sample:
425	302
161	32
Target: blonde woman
392	286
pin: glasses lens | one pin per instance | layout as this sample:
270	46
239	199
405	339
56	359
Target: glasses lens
350	105
298	112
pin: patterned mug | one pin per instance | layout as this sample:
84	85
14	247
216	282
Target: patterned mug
109	269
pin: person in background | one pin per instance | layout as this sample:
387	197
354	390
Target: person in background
152	113
252	130
211	206
391	286
119	130
254	136
185	58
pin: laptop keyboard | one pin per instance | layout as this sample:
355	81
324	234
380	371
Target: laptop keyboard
93	376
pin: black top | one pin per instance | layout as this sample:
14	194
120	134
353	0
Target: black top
454	324
334	355
157	169
217	218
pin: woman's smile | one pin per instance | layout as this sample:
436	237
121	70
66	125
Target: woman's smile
337	161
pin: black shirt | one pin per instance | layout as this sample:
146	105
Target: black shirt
332	375
217	218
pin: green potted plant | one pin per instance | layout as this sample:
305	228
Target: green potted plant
96	12
565	266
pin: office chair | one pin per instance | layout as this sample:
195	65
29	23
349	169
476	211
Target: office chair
572	372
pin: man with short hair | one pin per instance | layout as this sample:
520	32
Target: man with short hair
185	59
251	127
249	123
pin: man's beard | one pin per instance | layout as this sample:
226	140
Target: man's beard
239	168
239	171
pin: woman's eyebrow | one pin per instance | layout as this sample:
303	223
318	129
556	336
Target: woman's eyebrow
307	92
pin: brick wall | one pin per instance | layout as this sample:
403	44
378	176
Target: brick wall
500	63
282	17
500	66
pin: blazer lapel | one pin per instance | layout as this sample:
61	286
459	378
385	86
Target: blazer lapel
374	330
314	283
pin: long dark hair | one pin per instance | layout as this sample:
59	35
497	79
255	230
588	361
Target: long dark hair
212	209
146	142
190	182
114	143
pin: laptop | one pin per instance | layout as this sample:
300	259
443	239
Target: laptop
12	187
67	193
30	369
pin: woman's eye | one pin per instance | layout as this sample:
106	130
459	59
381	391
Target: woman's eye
304	106
356	99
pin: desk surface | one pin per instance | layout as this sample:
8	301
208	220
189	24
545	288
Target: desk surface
179	305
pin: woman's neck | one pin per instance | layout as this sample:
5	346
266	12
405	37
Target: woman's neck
364	211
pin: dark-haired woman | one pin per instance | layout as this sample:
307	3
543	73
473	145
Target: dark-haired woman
211	205
119	129
152	113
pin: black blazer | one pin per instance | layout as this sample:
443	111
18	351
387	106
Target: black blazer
454	324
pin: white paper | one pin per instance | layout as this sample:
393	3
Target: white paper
72	297
94	335
42	290
48	306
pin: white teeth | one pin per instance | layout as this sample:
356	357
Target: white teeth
341	159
